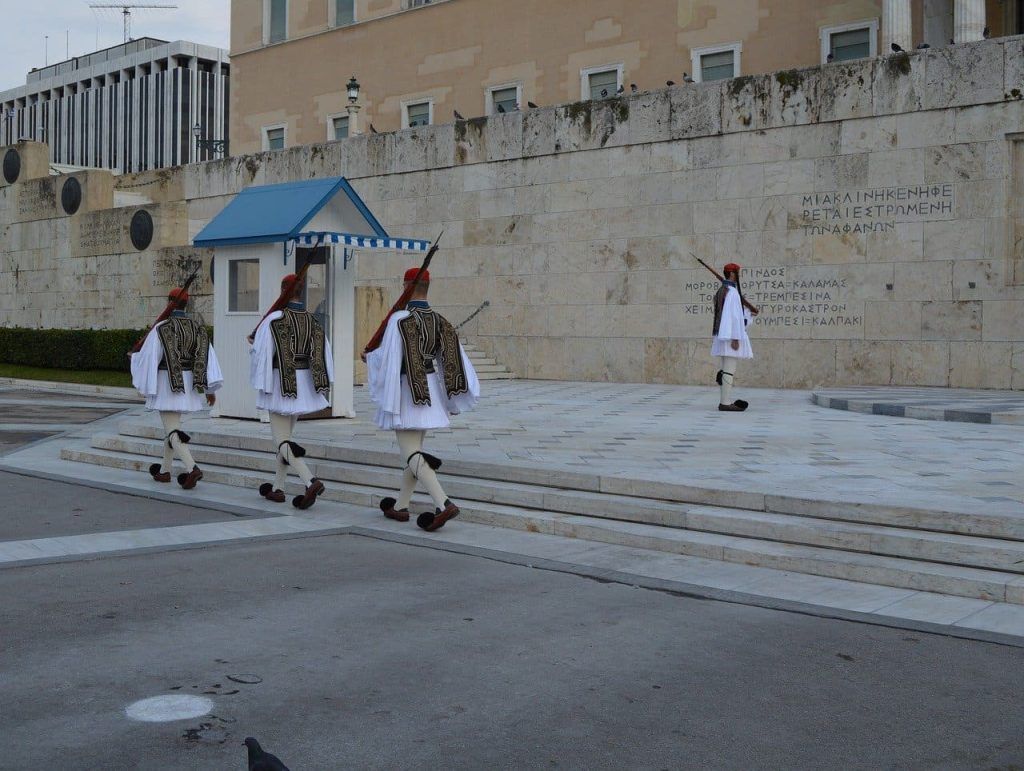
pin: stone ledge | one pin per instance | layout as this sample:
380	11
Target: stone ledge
949	404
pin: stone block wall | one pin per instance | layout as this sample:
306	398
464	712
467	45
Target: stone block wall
878	207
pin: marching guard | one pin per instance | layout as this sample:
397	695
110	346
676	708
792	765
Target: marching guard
291	368
418	377
176	370
730	344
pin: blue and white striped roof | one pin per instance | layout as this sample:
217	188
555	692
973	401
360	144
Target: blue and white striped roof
362	242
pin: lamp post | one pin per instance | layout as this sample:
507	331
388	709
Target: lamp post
216	146
353	108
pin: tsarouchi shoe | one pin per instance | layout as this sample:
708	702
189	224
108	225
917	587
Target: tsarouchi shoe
267	491
388	507
191	479
308	498
158	475
741	404
431	522
730	408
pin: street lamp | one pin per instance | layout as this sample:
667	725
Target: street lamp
353	109
216	146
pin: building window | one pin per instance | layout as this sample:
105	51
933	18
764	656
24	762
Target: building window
850	41
273	137
504	98
275	20
417	114
243	286
716	62
337	127
600	82
418	3
344	12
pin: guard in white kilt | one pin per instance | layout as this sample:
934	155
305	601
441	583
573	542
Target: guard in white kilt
177	371
291	368
730	336
418	377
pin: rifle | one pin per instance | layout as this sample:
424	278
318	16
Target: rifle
287	292
753	309
378	336
171	305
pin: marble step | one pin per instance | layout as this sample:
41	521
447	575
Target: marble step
974	523
854	566
962	550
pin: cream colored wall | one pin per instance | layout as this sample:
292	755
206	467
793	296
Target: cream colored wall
453	50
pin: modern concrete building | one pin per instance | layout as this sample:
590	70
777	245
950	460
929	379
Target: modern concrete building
131	107
419	61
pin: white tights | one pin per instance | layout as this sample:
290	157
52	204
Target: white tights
281	428
410	442
173	444
728	375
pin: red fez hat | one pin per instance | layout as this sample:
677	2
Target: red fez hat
178	295
731	267
288	279
410	275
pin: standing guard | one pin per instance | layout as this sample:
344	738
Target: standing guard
291	368
174	369
732	314
418	377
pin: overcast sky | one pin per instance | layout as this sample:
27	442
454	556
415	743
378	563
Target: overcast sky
25	23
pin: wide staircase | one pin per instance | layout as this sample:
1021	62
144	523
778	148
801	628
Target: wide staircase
979	554
487	368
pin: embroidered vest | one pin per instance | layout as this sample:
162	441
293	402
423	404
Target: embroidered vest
299	343
186	347
428	337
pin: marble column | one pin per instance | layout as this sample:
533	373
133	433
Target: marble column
968	20
896	26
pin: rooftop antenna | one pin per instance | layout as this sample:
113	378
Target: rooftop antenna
126	10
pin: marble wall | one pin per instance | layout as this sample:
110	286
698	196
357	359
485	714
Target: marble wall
878	207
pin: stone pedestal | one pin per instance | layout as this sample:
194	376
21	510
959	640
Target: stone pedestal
23	161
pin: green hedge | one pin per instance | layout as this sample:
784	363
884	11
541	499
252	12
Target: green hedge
68	348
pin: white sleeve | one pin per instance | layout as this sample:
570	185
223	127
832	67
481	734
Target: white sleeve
214	377
731	326
384	370
145	363
261	356
329	359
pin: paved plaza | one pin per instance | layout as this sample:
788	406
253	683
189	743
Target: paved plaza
340	641
358	653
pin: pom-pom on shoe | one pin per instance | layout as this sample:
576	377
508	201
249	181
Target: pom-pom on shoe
308	498
191	479
158	475
388	507
267	491
450	511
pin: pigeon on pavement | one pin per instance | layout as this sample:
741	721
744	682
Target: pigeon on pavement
260	760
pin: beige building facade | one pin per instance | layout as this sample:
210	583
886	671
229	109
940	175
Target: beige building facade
421	61
877	206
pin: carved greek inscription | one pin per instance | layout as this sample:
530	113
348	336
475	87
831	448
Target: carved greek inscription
100	234
784	300
36	200
877	210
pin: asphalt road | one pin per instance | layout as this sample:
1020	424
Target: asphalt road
379	655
